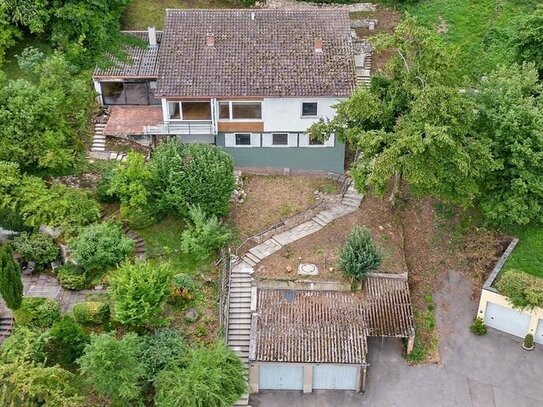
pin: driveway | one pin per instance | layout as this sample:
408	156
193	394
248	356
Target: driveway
487	371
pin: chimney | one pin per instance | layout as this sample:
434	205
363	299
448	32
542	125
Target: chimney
152	37
318	45
253	15
210	40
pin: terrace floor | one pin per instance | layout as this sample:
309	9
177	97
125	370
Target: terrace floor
131	120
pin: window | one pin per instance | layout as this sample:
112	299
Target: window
112	92
224	110
243	139
128	93
190	110
280	139
240	110
309	109
315	142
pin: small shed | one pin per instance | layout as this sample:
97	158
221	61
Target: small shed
317	340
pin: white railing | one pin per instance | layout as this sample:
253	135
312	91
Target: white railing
180	128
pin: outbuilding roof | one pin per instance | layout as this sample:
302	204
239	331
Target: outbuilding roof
309	327
256	53
141	62
329	326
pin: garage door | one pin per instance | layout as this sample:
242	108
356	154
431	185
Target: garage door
281	377
507	320
334	377
539	332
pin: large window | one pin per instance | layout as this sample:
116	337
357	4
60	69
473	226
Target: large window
128	93
240	110
190	110
309	109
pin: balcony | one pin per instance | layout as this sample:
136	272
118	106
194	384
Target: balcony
191	128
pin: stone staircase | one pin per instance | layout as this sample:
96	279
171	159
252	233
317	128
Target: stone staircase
139	243
239	316
6	326
99	139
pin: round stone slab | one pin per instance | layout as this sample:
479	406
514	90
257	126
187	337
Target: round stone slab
308	269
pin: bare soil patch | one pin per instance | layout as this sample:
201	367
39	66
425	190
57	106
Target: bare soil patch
323	248
272	198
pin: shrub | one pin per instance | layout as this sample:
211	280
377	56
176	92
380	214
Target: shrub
211	376
100	246
478	327
192	174
204	234
91	313
72	277
36	247
162	350
65	342
103	189
114	367
11	285
22	345
359	255
37	313
139	291
523	290
184	288
529	341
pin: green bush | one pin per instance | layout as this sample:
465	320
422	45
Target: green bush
204	234
114	367
162	350
11	284
37	313
192	174
478	327
72	277
103	188
210	376
359	255
184	288
529	341
523	290
100	246
36	247
64	343
139	291
23	344
91	313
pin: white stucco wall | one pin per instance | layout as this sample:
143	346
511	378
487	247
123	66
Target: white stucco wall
285	114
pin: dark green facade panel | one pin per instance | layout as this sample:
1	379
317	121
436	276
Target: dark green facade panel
295	158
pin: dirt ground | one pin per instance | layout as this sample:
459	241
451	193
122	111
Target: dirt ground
272	198
323	247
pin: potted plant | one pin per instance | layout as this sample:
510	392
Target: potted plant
528	342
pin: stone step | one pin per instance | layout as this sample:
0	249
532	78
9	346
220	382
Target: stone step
239	333
251	256
241	289
240	327
239	343
98	144
244	338
99	136
98	149
241	305
240	300
355	197
239	321
237	293
320	221
249	261
350	202
240	282
100	124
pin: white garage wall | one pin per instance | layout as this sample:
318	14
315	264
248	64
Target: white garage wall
281	377
285	114
335	377
507	320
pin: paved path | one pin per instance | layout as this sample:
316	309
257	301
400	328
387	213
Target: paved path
487	371
350	203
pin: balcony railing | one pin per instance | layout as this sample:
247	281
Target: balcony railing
181	128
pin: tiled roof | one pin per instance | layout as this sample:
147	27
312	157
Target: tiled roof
309	327
267	53
329	326
141	61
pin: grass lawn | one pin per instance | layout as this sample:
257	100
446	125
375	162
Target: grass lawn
11	66
528	254
479	28
141	14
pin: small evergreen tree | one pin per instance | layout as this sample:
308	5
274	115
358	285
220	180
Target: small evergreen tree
360	255
11	285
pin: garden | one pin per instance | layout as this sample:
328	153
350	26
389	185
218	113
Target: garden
152	337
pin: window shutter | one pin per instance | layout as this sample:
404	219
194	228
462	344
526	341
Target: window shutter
229	140
293	140
330	141
304	140
255	140
267	140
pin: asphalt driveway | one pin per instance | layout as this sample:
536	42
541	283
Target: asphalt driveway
487	371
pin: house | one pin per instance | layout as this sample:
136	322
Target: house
249	81
316	339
